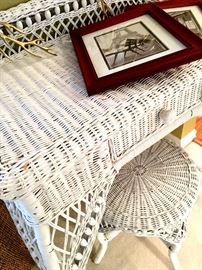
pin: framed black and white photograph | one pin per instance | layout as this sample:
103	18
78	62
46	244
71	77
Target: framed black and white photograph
129	46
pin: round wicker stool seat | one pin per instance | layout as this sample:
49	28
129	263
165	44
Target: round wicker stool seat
153	194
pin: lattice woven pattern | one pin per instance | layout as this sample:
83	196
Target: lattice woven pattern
153	194
48	19
69	236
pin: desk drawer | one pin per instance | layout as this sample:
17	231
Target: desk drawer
159	118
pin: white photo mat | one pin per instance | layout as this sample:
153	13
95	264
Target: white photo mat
168	41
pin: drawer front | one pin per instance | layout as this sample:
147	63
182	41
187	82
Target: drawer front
165	115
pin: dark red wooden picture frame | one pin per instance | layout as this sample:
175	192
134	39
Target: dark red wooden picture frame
95	84
179	3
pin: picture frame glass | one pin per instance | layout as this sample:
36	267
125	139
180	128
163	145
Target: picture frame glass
188	16
129	44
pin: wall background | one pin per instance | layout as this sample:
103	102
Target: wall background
10	3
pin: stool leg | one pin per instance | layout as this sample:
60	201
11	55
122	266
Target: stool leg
173	249
103	239
172	253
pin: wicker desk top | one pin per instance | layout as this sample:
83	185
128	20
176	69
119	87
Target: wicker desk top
48	122
44	103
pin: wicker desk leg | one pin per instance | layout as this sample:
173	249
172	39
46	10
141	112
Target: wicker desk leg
41	239
103	239
29	234
43	236
76	225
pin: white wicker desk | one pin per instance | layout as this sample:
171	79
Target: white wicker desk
52	133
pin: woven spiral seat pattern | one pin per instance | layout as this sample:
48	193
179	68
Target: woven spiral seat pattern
153	193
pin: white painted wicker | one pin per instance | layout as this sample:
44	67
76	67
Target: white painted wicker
152	195
49	19
65	242
57	145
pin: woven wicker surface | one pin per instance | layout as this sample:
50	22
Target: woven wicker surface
57	142
49	124
13	253
154	192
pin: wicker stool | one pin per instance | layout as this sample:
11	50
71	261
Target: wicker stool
151	196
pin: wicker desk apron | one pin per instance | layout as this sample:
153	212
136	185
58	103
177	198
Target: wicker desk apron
54	136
